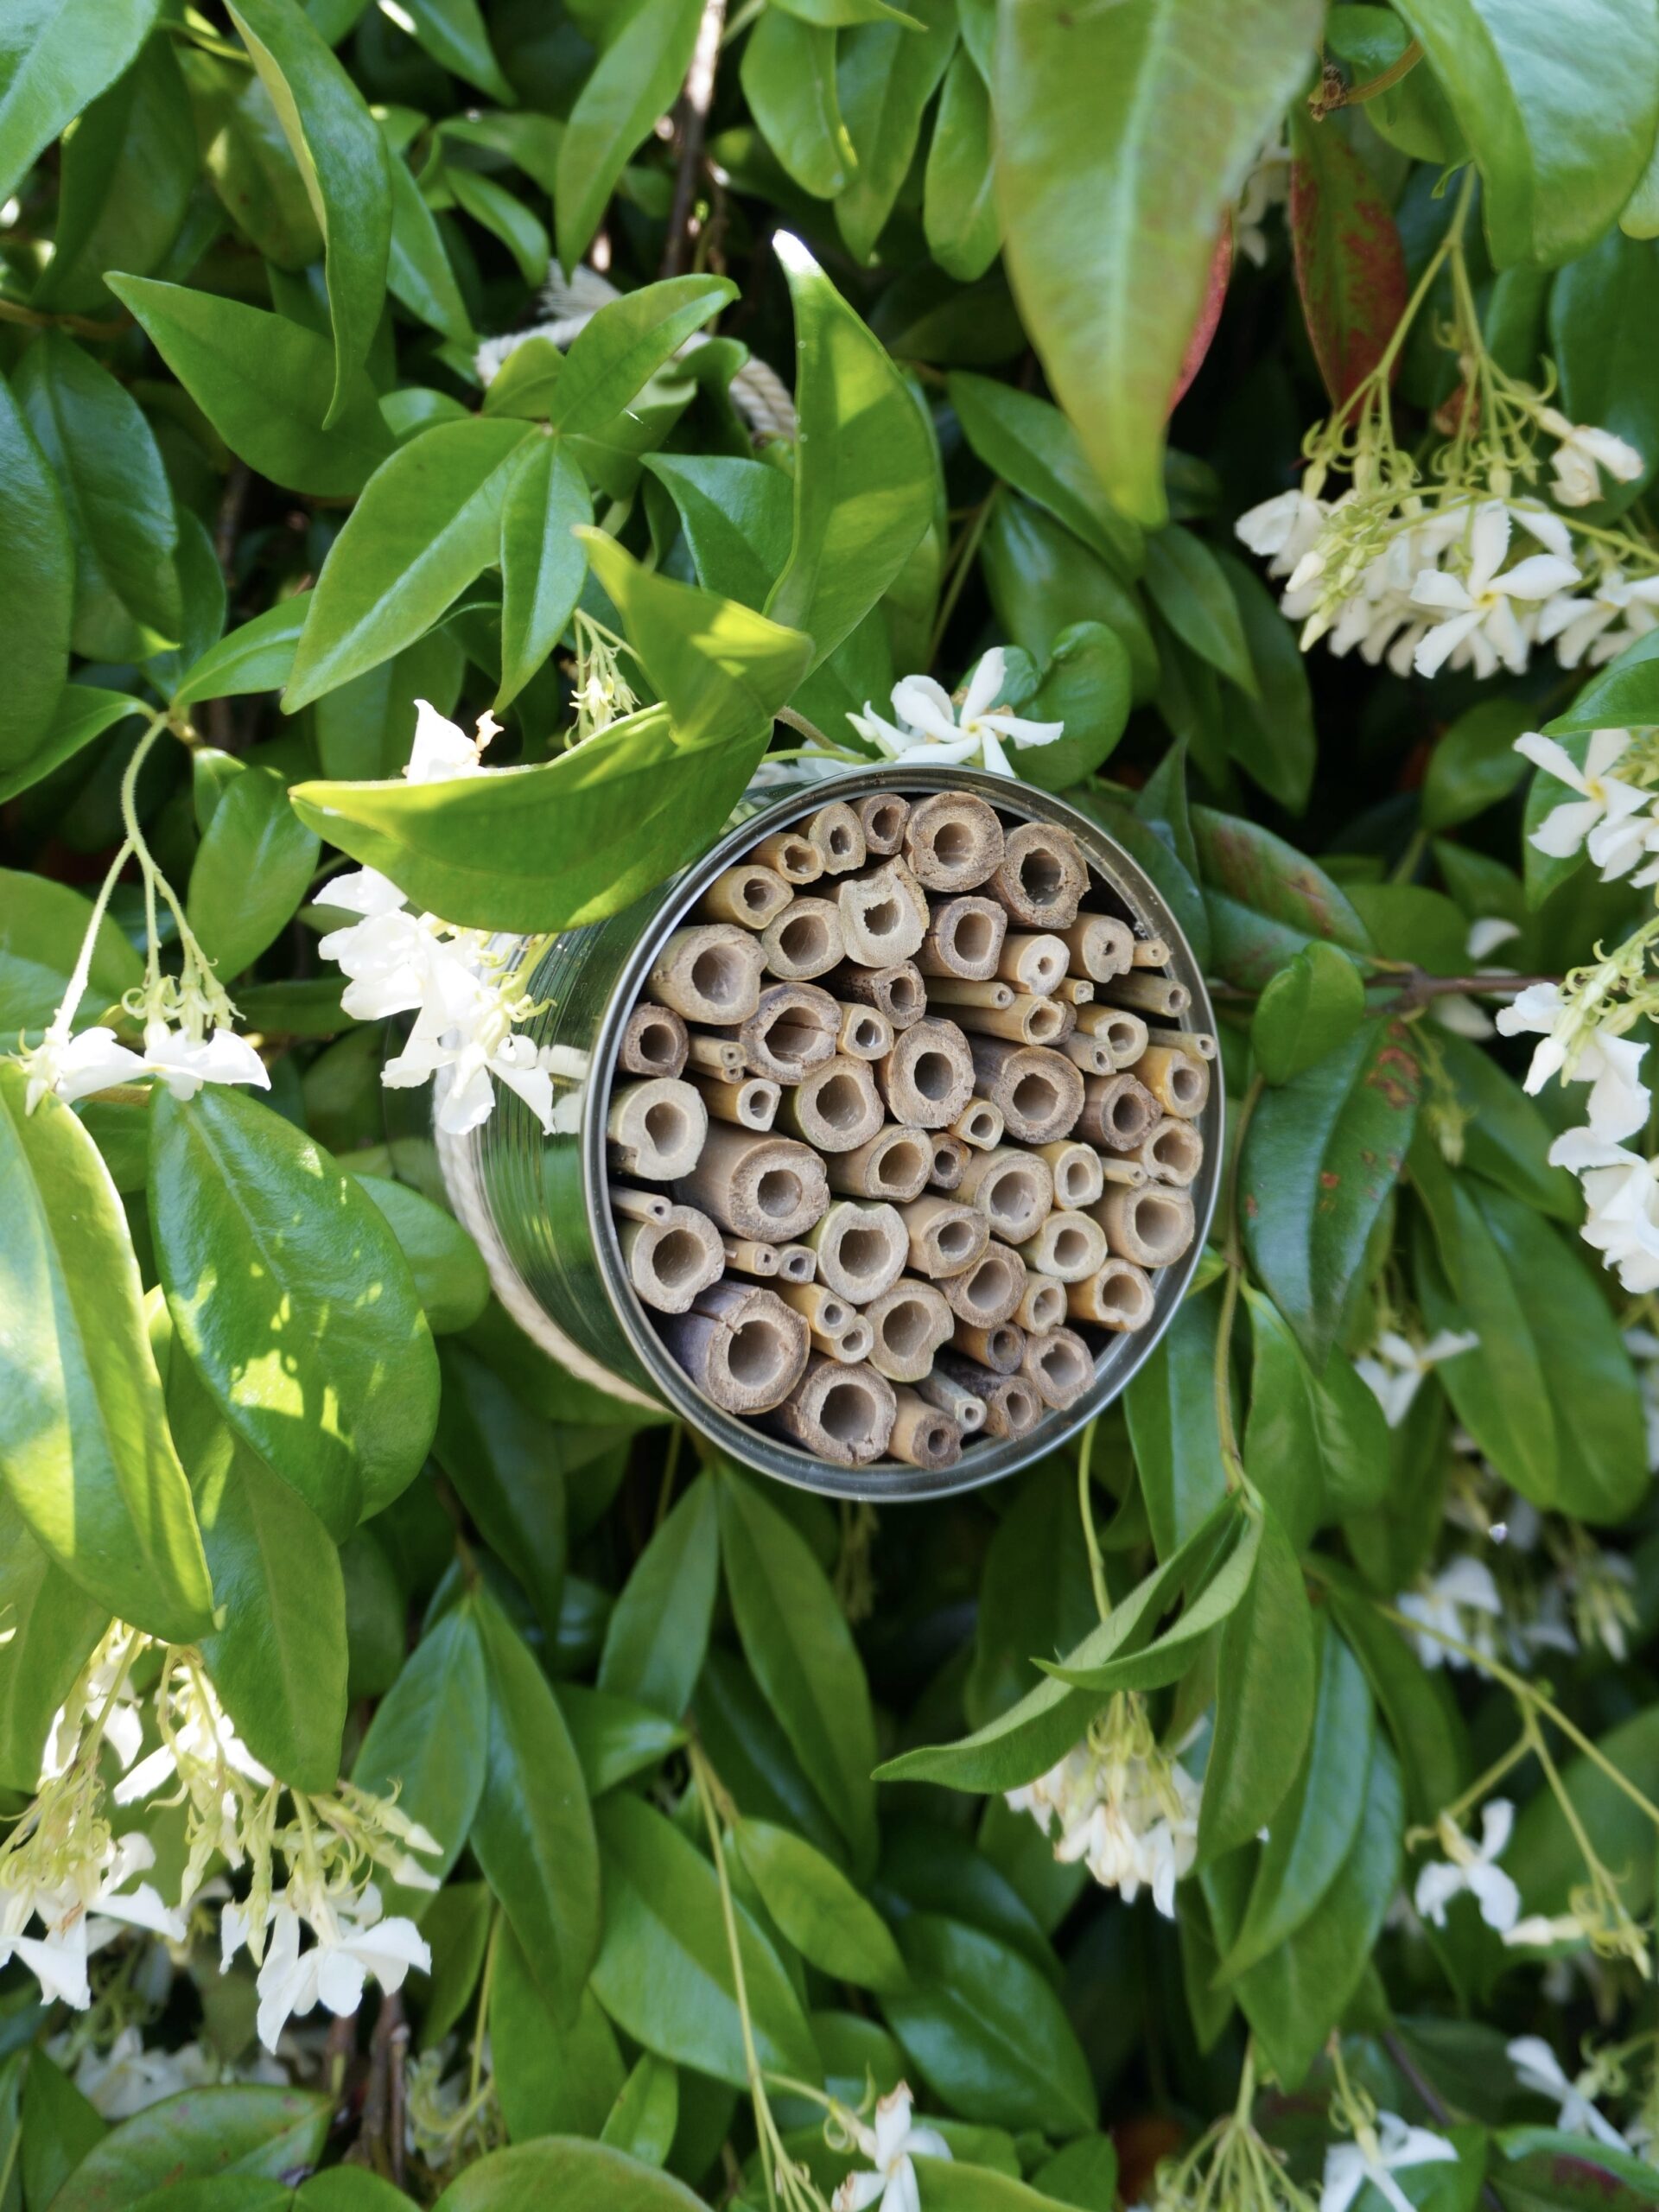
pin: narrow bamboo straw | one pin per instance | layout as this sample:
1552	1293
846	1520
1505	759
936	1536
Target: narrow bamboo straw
748	895
964	938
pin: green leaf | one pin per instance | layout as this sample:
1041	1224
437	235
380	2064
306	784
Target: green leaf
633	82
1603	322
125	183
418	269
525	383
817	1909
543	564
658	1630
1311	1007
544	848
117	497
1086	685
735	515
1029	443
1265	1679
251	872
365	727
55	57
453	33
1218	1588
1171	1406
1270	731
575	2176
614	1739
504	1462
553	2079
885	74
1316	1447
256	657
37	588
864	469
262	1240
1418	1709
51	1625
451	1279
41	926
959	210
494	208
1042	581
1110	216
1189	587
1547	2170
428	521
1560	127
278	1660
533	1833
664	1970
205	2135
59	2126
615	356
796	1639
1314	1830
427	1742
1319	1160
87	1458
788	74
1035	1591
1615	698
646	2113
82	713
986	2033
346	2189
1266	899
1545	1860
1350	266
343	160
1475	765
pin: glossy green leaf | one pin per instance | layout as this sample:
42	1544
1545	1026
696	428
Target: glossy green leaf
418	268
249	164
543	564
788	73
617	353
959	210
496	210
1316	1444
1108	216
252	871
1269	728
646	2113
1546	2170
342	158
289	1291
552	2078
1418	1710
88	1459
614	1739
1350	266
1086	685
83	712
575	2176
427	1742
255	658
37	584
885	74
1266	899
504	1462
817	1909
1030	444
1475	765
1309	1008
1216	1589
127	173
59	2126
367	726
450	1278
1188	587
1603	320
1171	1404
527	382
201	2135
453	32
51	1625
1505	1137
664	1970
1035	1591
427	522
55	57
533	1833
1042	581
658	1628
633	82
1266	1682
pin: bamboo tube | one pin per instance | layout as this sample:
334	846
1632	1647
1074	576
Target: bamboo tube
1012	1406
1032	960
1201	1043
796	1264
639	1205
1013	1188
793	1028
751	1103
789	854
1171	1151
1028	1022
988	1292
835	1107
1123	1174
748	895
1123	1034
1043	1307
767	1187
953	842
909	1323
1152	1227
1059	1366
998	1349
894	1165
721	1056
923	1436
980	1124
804	941
825	1313
658	1129
655	1041
1179	1081
1101	945
1068	1246
945	1239
1091	1055
1041	877
750	1257
954	1400
1075	1169
864	1034
745	1352
1117	1111
883	915
1150	952
883	816
1076	990
837	835
964	938
928	1077
1119	1298
840	1414
861	1248
953	991
1149	993
898	992
708	973
1039	1091
852	1347
949	1159
670	1262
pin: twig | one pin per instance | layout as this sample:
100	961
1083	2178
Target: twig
83	326
399	2041
1334	93
695	103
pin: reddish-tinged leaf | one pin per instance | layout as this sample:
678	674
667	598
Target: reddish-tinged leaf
1350	267
1215	291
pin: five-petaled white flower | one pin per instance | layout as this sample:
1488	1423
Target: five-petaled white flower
1619	1101
1601	817
1395	1367
1461	1602
1537	2067
930	728
1583	450
351	1945
1471	1867
1380	2153
888	2145
1478	609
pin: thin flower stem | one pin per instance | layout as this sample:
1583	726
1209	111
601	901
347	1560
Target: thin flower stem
1233	1256
1521	1749
76	989
961	562
1090	1533
703	1774
481	2018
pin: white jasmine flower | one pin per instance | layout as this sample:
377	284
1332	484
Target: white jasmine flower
1603	805
1478	609
1621	1194
78	1912
1125	1807
1597	624
1379	2153
1584	450
1469	1867
929	727
1537	2067
441	750
75	1067
1395	1367
184	1063
1539	1930
1461	1601
1619	1101
127	2078
889	2146
350	1946
1283	529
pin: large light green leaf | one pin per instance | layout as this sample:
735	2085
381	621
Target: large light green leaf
51	1626
252	871
959	211
289	1291
128	171
817	1909
789	80
543	563
1111	208
55	57
627	341
1560	108
87	1457
576	2176
342	159
633	82
201	2135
